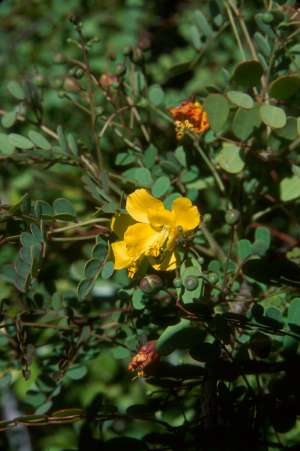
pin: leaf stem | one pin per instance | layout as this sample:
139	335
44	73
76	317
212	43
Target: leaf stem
210	166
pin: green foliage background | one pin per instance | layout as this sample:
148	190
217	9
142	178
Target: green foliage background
85	91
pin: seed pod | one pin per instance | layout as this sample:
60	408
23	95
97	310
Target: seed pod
232	216
150	283
120	69
213	278
78	73
71	85
191	283
177	282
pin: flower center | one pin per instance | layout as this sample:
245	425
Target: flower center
132	269
181	126
157	247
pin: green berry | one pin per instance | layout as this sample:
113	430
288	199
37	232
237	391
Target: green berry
267	17
191	283
177	282
78	73
232	217
120	69
213	278
150	283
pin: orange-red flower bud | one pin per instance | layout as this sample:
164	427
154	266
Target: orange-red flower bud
146	355
189	116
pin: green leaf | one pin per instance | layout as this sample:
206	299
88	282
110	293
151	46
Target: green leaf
290	345
44	408
179	336
294	312
289	131
84	288
284	87
39	140
43	210
202	23
120	352
8	119
125	158
248	74
62	139
72	144
137	299
36	232
20	141
6	146
63	209
16	90
195	37
275	315
290	188
156	95
77	373
91	268
108	270
262	241
190	175
262	44
27	239
298	125
264	26
100	250
149	156
240	99
272	116
179	69
161	186
180	156
141	176
230	159
170	199
244	249
244	123
217	108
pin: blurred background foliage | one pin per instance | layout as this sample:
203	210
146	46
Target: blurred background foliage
85	91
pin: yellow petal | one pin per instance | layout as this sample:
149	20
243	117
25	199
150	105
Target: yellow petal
139	202
119	223
139	239
161	217
187	216
122	259
169	263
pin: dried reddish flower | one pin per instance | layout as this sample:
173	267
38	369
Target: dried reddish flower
146	355
107	80
189	116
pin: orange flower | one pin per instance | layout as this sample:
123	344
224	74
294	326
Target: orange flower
146	354
189	115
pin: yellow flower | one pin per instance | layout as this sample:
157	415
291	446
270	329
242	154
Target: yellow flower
189	116
149	231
